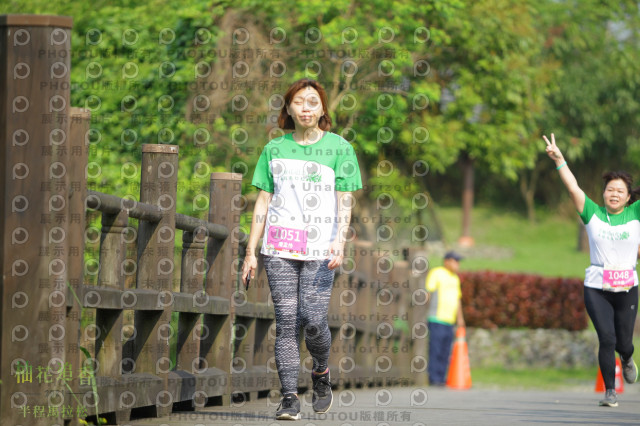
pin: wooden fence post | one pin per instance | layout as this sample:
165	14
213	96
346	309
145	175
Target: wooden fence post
156	244
217	348
76	168
34	194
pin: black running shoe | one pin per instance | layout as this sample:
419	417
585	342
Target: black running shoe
289	408
322	395
610	399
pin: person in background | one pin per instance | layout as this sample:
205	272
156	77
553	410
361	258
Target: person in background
611	281
303	208
445	311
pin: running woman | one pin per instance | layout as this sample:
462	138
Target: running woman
304	209
611	281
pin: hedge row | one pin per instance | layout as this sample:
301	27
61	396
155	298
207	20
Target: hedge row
497	299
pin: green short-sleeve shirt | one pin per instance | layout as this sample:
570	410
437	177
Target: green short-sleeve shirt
302	216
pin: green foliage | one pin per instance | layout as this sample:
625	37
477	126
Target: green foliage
414	84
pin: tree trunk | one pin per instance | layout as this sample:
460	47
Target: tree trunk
528	186
467	200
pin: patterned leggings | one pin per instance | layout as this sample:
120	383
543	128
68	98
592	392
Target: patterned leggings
300	291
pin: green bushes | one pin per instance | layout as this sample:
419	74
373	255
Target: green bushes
498	299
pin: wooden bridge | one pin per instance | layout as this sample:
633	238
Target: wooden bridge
139	332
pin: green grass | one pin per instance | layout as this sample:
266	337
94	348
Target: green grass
547	247
535	378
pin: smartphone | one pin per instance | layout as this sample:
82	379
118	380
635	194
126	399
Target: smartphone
246	282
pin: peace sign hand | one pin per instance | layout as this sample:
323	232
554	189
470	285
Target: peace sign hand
552	149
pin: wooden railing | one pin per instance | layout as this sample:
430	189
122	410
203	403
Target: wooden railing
132	344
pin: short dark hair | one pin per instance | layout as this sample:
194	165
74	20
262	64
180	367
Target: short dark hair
628	181
285	121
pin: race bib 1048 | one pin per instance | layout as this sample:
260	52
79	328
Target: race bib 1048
616	278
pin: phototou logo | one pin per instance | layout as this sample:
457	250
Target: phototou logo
384	330
128	267
199	399
58	37
19	300
130	37
163	365
130	70
57	235
418	364
238	365
383	398
384	201
165	299
93	37
419	265
20	104
384	233
202	36
19	333
348	102
420	101
240	36
312	35
386	68
386	35
239	102
384	102
21	70
200	103
349	68
20	171
240	69
383	364
93	103
346	398
349	134
346	364
21	37
419	331
277	35
421	35
201	136
166	36
349	35
277	69
419	297
420	135
384	297
129	299
20	137
202	69
238	399
385	135
164	399
419	397
313	69
419	233
129	103
347	297
421	68
127	399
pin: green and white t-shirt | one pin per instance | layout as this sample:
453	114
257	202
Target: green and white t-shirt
302	216
613	241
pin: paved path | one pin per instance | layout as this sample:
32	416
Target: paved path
428	406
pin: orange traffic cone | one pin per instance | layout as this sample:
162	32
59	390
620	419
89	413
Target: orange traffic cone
619	383
459	376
